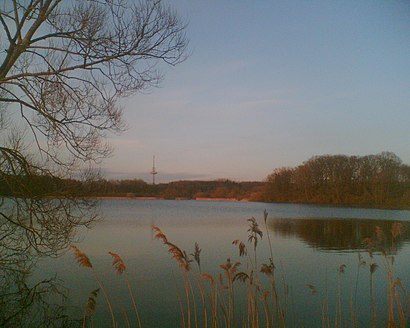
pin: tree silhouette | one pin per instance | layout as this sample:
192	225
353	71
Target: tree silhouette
64	66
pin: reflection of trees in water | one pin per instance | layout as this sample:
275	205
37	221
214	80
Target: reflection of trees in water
339	234
31	228
25	304
41	225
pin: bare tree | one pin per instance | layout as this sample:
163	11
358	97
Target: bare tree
64	66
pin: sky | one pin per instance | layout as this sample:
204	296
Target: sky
270	84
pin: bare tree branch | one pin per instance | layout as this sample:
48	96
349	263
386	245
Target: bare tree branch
65	67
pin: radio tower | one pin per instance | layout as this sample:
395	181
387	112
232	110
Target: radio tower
153	172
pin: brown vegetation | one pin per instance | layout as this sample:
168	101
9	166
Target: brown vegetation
374	180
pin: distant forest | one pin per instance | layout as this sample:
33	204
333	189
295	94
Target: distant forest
380	180
374	180
40	186
224	189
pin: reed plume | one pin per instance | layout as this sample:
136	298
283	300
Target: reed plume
92	302
196	255
90	306
241	247
117	263
207	277
396	229
158	234
230	269
179	255
254	232
268	270
81	258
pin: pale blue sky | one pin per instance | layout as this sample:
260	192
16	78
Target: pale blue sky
270	84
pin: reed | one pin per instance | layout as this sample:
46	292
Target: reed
397	314
245	293
184	262
83	260
120	268
90	307
338	317
213	298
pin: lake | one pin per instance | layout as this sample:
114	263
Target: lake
310	244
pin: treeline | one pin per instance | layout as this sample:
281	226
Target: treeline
42	185
380	180
226	189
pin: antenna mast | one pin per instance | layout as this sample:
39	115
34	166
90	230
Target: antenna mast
153	172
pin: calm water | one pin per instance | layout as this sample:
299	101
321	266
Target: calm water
309	245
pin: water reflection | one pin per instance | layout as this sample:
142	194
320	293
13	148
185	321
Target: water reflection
343	235
31	229
25	303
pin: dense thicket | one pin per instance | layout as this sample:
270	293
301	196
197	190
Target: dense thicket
377	180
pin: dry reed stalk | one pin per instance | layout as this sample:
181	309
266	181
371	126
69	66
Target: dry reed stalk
182	259
230	270
338	319
400	310
372	268
84	261
252	270
396	231
325	307
284	309
361	263
353	323
193	303
127	321
265	304
120	268
181	308
214	297
269	271
187	298
391	319
254	234
205	310
271	268
223	302
265	218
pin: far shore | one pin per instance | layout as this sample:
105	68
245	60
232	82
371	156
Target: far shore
177	198
387	207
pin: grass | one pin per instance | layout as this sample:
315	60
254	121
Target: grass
247	292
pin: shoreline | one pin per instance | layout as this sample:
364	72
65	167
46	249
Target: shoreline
161	198
205	199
